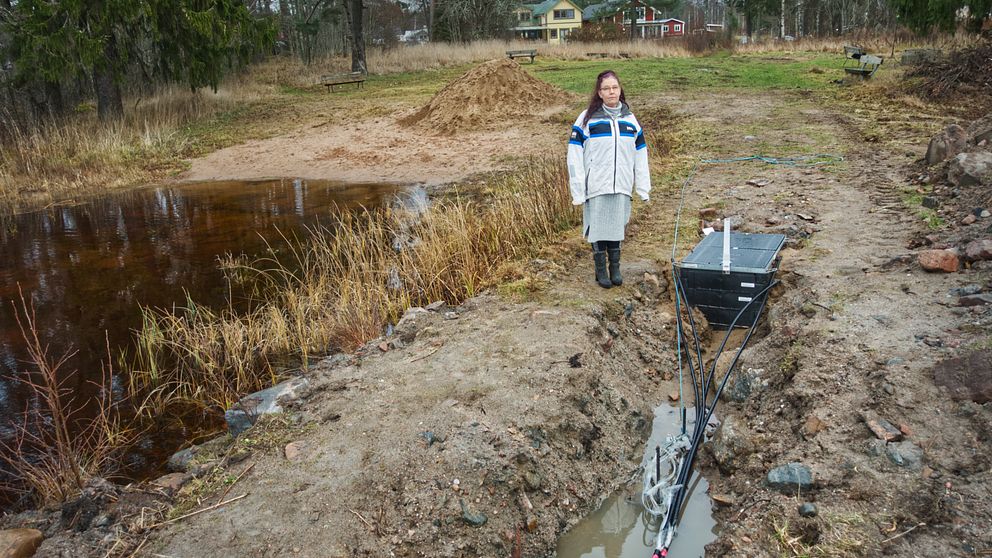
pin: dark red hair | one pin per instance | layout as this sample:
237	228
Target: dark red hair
595	103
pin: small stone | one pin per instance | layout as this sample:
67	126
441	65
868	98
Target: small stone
171	483
895	361
790	478
450	315
905	429
384	346
758	182
939	260
808	509
435	306
746	539
883	429
750	138
930	202
969	219
473	519
533	480
906	454
19	543
984	214
975	300
965	290
674	396
667	375
723	499
889	388
295	451
531	523
978	250
814	425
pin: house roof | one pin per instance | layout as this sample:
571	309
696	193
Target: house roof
541	8
596	10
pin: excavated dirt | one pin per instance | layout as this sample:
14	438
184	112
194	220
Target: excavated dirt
491	428
487	94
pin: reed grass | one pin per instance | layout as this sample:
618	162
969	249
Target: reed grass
61	442
353	277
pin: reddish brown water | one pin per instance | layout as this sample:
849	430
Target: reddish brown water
88	268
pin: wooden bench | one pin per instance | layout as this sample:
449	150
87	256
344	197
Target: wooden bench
532	54
864	65
330	80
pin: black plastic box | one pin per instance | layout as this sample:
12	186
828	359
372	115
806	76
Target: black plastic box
720	296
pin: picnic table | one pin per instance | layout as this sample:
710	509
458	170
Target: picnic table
864	65
532	54
330	80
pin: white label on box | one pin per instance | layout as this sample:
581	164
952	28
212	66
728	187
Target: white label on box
689	265
748	285
743	299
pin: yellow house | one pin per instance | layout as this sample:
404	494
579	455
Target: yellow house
551	21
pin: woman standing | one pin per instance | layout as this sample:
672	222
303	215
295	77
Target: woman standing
607	162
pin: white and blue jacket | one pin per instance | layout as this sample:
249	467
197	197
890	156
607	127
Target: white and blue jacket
607	156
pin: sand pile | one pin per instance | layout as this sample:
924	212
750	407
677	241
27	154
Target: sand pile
486	94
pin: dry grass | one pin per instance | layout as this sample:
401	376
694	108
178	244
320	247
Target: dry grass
339	291
79	156
61	443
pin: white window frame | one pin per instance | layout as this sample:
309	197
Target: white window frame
677	27
664	28
641	13
555	13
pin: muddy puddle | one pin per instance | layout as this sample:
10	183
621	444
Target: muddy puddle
88	269
621	529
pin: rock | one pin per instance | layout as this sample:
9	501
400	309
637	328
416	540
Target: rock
723	499
731	445
968	377
876	447
790	478
435	306
531	523
295	451
750	138
171	483
975	300
673	396
411	322
758	182
179	461
808	509
985	214
969	219
965	290
930	202
19	543
977	250
237	421
939	260
533	480
745	384
708	213
970	169
947	144
981	130
895	361
243	414
906	454
473	519
450	315
882	429
813	426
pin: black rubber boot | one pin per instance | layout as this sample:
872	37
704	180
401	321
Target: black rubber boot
602	276
615	276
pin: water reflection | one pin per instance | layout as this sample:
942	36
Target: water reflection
87	268
619	529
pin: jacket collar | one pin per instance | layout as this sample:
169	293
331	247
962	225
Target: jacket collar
600	113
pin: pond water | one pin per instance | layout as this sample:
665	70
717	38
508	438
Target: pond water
621	529
87	269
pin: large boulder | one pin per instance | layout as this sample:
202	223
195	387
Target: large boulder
731	445
970	169
947	144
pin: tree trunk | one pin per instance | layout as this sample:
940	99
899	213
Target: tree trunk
109	105
782	21
355	19
286	26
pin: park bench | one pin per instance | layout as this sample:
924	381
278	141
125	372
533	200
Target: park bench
511	54
330	80
858	62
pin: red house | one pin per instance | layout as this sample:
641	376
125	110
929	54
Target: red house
650	23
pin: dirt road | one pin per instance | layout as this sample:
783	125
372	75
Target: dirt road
489	429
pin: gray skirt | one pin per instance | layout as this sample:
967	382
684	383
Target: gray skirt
605	217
